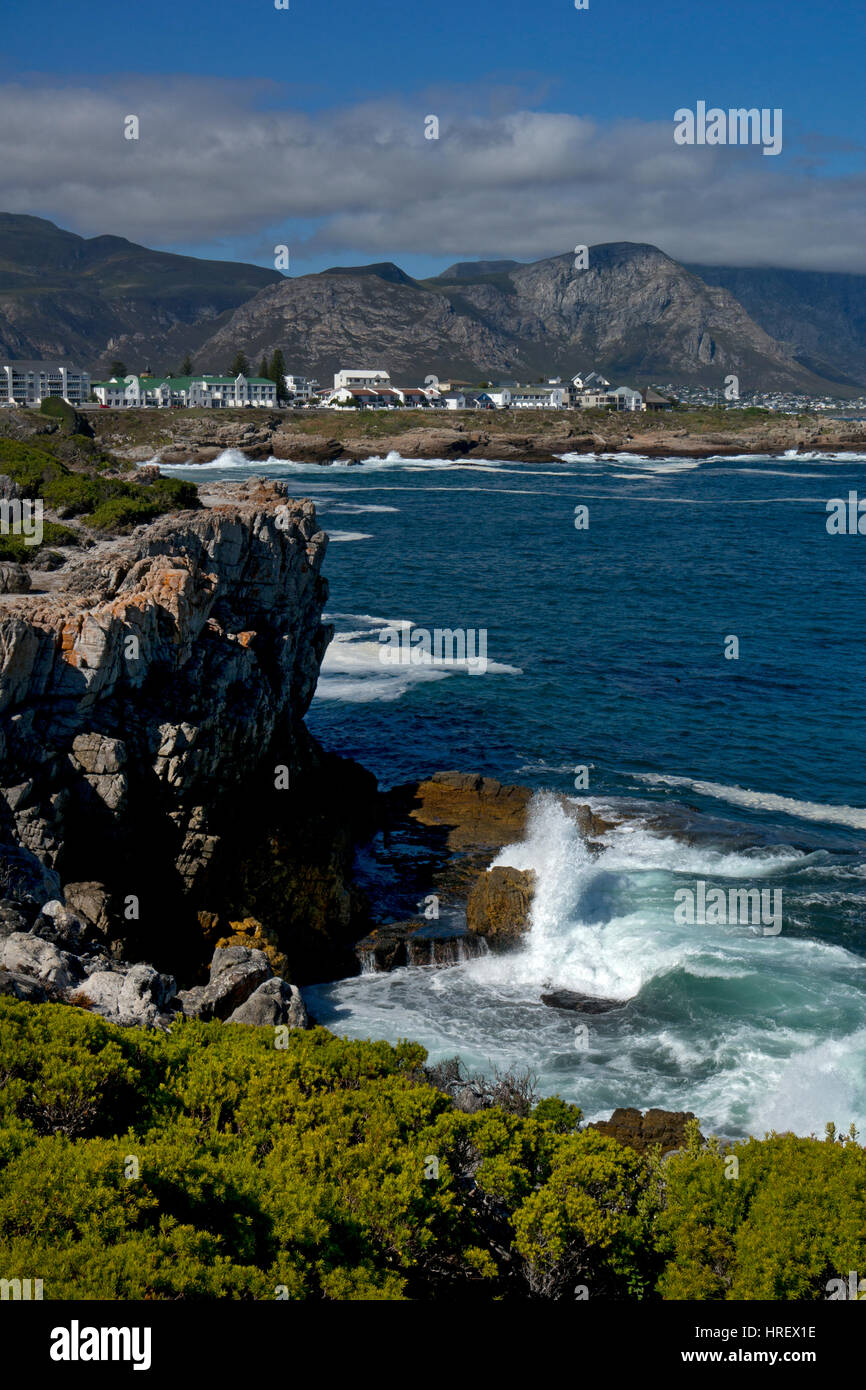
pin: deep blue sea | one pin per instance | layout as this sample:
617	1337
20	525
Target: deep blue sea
606	650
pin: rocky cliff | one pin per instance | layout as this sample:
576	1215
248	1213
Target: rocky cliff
150	729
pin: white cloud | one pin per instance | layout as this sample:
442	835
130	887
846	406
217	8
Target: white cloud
212	165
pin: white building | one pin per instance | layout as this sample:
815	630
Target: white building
302	388
536	397
594	400
345	380
29	383
183	391
628	399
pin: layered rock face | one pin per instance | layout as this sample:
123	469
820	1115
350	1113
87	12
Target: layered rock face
153	707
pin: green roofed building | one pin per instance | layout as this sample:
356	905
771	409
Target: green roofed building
213	391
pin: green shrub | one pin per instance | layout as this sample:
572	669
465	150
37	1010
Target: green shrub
107	504
15	548
791	1220
212	1163
122	513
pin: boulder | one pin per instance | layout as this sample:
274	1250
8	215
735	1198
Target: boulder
144	996
137	997
90	900
274	1002
61	926
640	1132
26	954
101	992
498	906
235	973
28	883
14	579
22	987
11	919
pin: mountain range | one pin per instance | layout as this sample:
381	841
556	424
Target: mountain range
634	313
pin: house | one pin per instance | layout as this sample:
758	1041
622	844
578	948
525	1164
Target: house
118	392
538	397
346	379
412	396
653	400
360	397
224	391
627	398
588	399
454	400
30	383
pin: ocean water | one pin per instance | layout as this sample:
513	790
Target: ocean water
606	651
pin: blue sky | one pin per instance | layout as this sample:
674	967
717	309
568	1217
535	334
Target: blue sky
620	68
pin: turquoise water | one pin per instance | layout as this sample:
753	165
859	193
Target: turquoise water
606	650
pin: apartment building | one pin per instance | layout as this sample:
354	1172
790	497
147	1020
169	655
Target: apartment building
29	383
214	392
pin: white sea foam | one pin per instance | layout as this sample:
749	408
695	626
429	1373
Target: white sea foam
764	801
353	669
354	508
335	536
717	1020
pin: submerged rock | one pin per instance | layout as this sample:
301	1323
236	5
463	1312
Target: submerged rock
415	942
473	811
579	1003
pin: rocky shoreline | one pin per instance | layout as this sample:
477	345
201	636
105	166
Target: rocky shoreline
173	842
182	437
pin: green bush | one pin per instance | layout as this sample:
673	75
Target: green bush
107	504
14	548
122	513
212	1163
792	1219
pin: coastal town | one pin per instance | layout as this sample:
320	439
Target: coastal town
28	383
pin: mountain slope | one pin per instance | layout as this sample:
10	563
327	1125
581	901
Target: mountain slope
635	313
91	300
819	318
